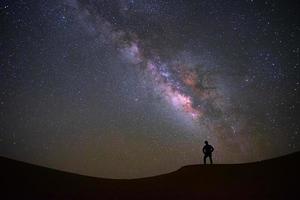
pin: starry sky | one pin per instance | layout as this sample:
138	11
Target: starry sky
133	88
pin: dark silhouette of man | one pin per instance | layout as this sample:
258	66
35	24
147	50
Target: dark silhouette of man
207	150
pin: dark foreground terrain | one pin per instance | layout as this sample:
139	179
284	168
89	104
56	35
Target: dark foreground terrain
271	179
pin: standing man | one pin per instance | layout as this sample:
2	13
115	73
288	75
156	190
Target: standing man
207	150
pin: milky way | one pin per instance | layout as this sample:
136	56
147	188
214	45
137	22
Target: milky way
125	88
175	81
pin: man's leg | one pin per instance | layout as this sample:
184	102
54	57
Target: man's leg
210	159
204	159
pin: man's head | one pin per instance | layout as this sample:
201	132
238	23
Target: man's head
206	142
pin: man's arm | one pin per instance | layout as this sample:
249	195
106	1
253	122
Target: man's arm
212	149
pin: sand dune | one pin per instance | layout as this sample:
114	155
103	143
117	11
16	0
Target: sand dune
270	179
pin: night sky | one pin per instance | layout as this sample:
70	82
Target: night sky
133	88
